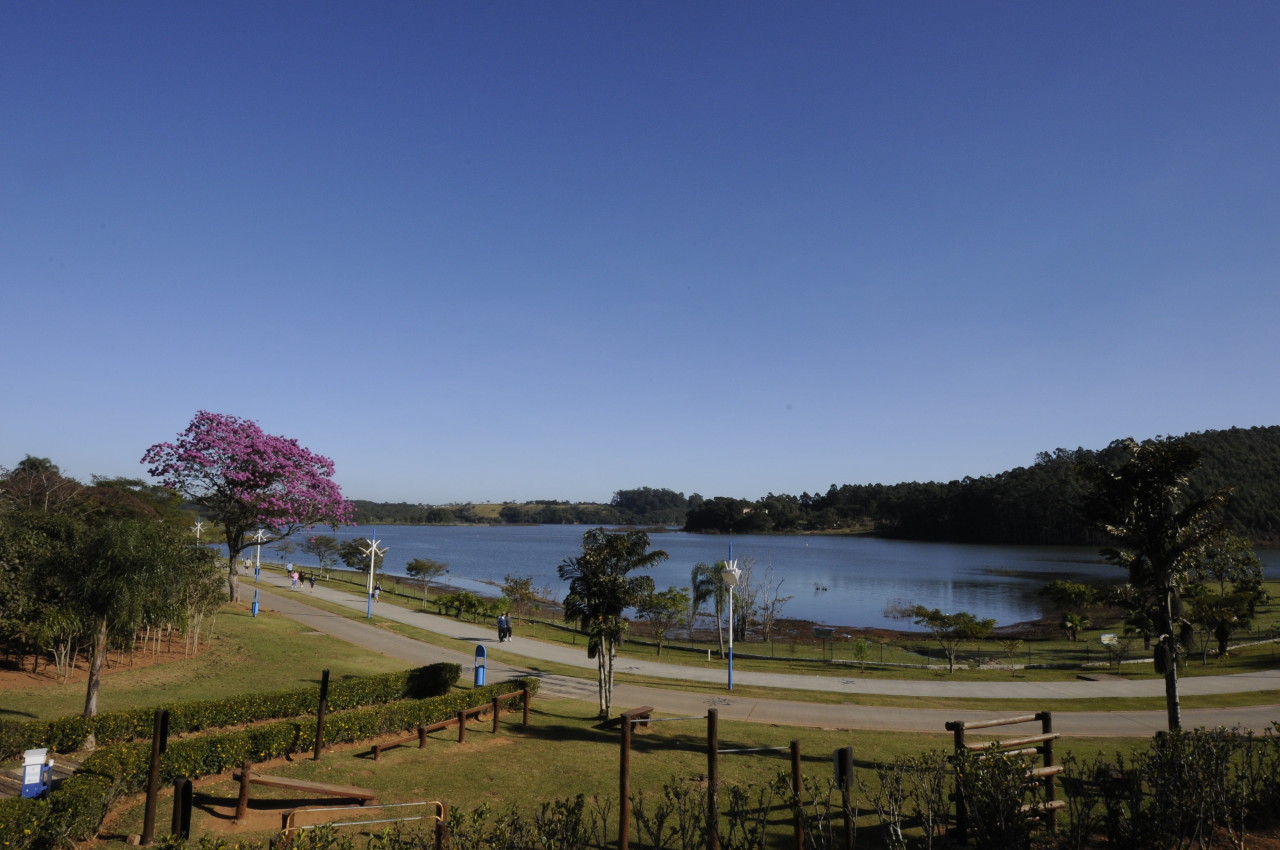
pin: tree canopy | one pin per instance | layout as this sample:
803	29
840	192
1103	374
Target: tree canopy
1162	534
243	479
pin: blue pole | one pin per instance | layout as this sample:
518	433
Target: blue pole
255	602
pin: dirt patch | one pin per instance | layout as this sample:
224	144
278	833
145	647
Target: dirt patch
13	678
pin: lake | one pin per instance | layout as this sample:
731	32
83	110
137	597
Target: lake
833	580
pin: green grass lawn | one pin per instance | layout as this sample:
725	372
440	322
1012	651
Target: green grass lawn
247	654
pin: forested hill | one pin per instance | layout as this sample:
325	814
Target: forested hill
640	506
1037	504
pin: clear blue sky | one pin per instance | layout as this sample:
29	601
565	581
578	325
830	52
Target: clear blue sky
504	251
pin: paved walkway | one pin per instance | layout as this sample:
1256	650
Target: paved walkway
521	657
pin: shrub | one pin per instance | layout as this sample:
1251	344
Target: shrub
68	734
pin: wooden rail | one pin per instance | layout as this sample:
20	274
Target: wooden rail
493	708
637	717
247	777
1044	776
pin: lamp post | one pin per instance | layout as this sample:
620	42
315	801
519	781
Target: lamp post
373	552
730	575
197	528
257	554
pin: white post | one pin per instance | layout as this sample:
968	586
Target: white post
257	555
373	552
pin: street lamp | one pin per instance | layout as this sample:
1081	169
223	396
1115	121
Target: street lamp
730	575
373	552
257	554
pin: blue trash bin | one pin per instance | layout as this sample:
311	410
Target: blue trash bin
35	772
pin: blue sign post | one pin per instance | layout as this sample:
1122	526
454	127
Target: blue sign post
482	656
255	602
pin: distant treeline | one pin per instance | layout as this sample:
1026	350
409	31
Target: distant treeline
641	506
1038	504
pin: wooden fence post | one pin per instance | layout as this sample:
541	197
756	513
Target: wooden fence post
797	788
320	713
713	779
159	739
624	786
242	803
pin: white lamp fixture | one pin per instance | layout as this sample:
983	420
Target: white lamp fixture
730	575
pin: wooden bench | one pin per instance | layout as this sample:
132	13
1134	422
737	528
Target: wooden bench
365	796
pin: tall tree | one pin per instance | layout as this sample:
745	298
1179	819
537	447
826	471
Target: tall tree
601	588
1140	497
38	484
951	631
243	479
519	591
117	572
356	554
426	570
324	548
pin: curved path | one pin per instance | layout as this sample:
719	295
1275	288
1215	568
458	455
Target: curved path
276	596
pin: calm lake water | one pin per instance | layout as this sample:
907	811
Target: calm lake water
842	581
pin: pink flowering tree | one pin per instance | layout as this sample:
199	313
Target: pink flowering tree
244	479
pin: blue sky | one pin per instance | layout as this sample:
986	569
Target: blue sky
505	251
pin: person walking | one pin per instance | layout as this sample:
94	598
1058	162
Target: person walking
502	627
377	592
508	624
312	578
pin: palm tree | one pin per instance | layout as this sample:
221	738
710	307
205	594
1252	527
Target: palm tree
601	587
707	582
1073	624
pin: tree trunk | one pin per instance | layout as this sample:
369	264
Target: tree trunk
233	582
720	625
95	669
1174	710
1168	644
601	681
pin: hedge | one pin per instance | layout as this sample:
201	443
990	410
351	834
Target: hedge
69	734
75	811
